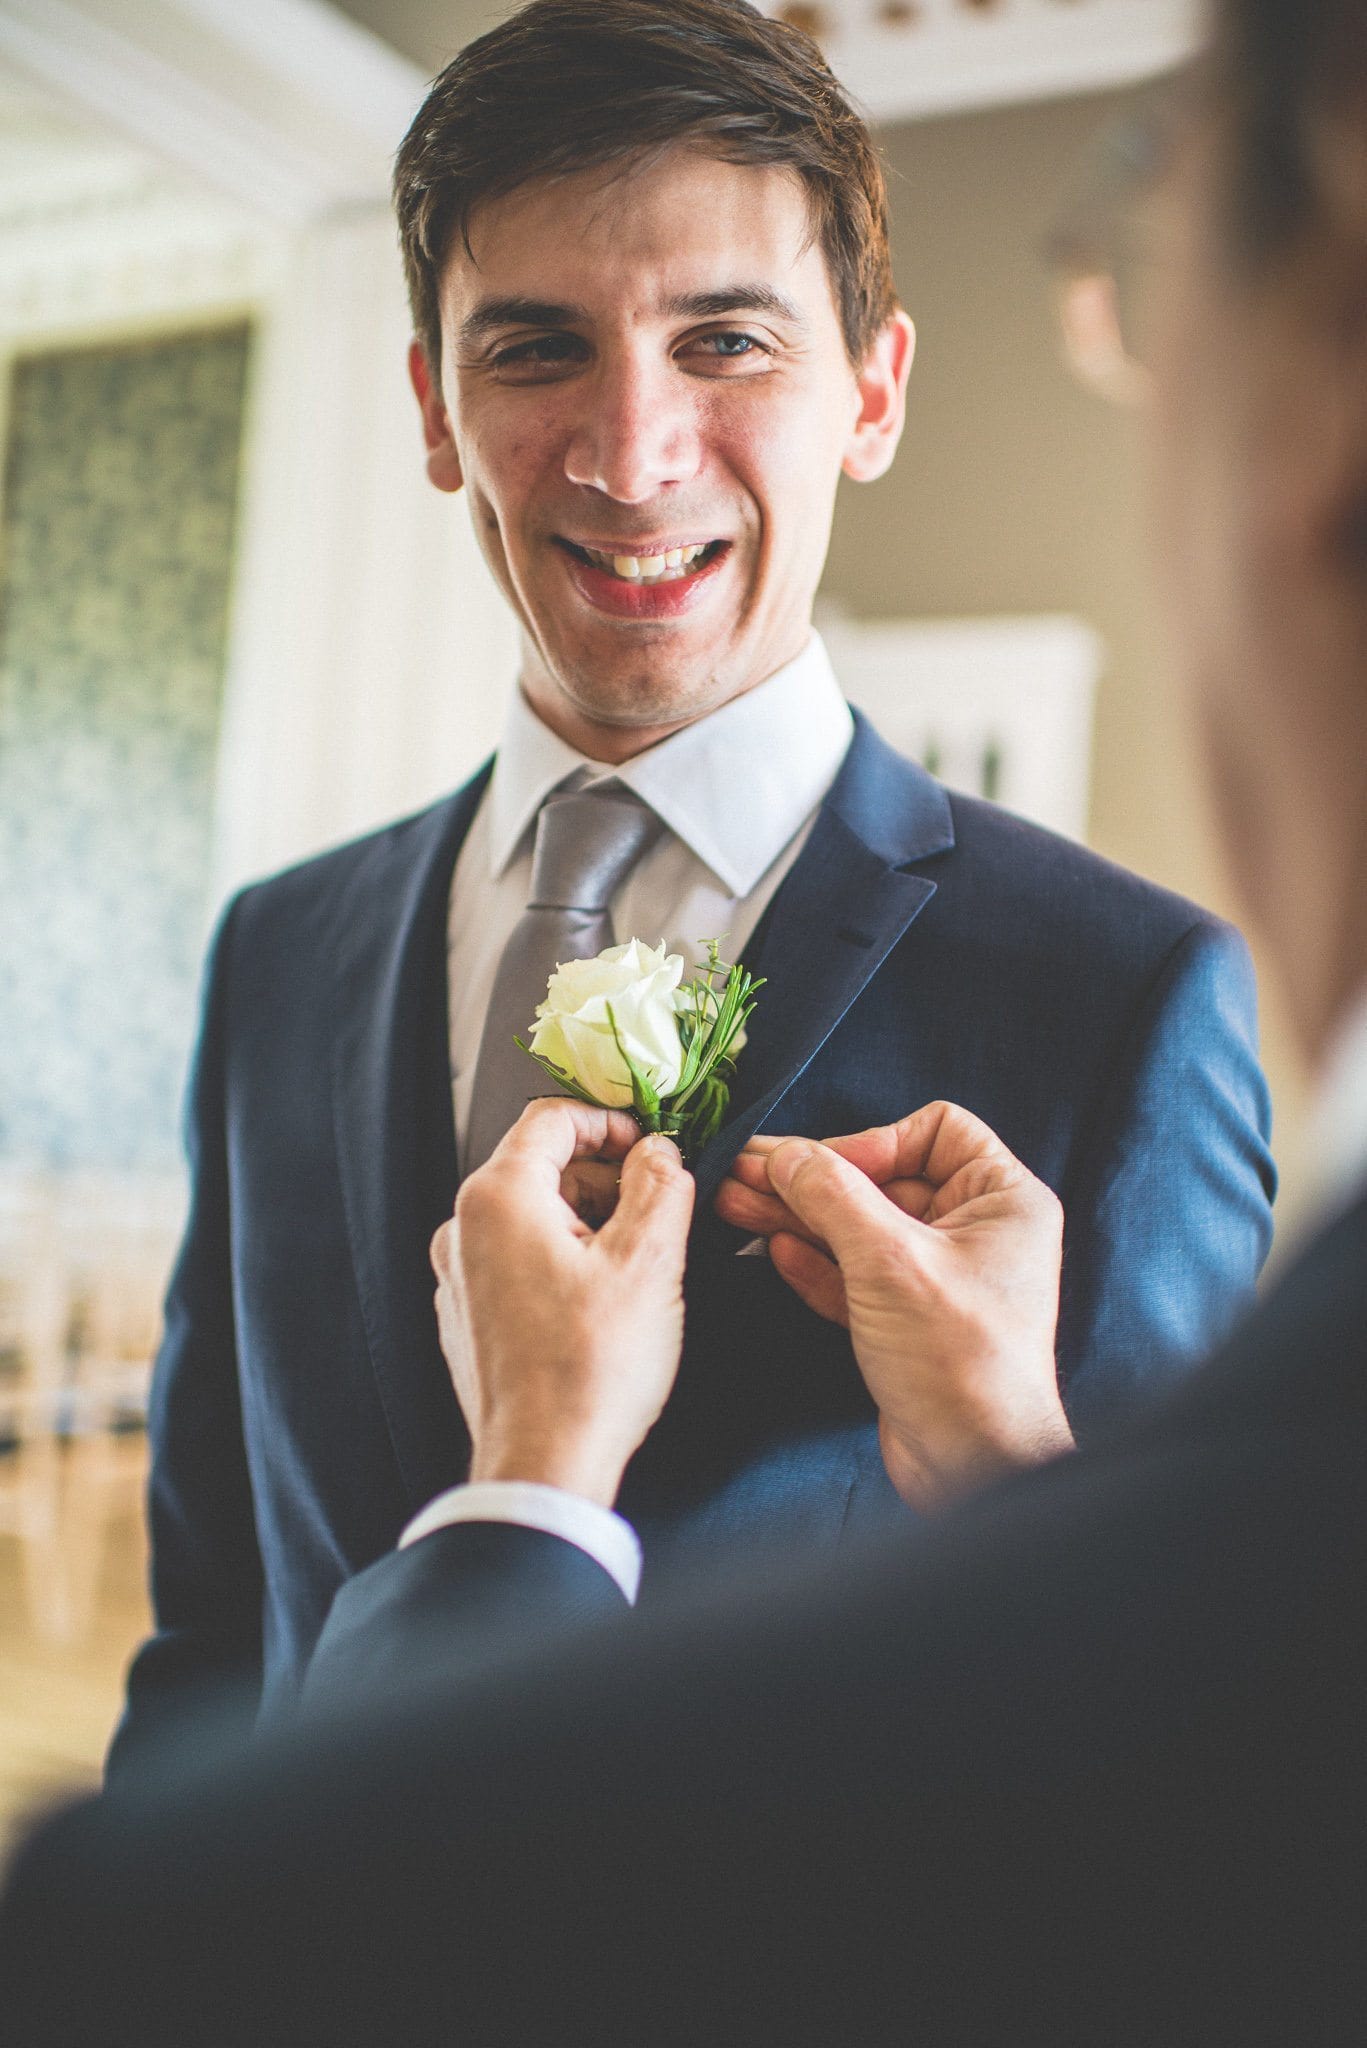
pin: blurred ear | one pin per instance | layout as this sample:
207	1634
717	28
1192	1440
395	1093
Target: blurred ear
443	462
882	386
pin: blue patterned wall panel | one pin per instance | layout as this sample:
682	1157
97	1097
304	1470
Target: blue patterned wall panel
118	511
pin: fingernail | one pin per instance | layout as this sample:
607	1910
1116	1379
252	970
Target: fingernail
784	1163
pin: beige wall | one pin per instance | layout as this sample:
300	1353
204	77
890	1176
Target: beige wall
1016	491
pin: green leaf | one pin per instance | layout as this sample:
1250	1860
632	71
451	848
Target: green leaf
645	1100
720	1014
566	1081
706	1118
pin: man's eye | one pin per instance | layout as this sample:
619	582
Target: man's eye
729	347
542	352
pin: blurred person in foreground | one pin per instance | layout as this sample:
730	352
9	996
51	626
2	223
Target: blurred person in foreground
647	246
1084	1763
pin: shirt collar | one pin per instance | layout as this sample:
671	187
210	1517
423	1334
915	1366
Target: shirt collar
1338	1123
735	786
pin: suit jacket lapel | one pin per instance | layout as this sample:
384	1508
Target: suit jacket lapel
839	912
393	1119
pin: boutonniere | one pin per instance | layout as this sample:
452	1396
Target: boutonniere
626	1031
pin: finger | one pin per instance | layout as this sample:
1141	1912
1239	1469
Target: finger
940	1140
760	1214
552	1132
813	1276
932	1143
442	1250
873	1151
448	1323
746	1198
654	1206
834	1200
525	1168
913	1197
589	1186
983	1191
751	1167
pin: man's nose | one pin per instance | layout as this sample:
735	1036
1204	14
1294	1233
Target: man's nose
638	434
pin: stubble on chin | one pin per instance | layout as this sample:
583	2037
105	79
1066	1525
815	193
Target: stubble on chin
638	701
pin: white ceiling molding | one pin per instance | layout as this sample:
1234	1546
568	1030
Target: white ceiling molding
98	234
284	106
924	57
326	56
78	296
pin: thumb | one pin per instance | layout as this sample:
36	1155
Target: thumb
835	1200
655	1203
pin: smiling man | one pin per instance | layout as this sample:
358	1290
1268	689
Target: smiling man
647	252
645	388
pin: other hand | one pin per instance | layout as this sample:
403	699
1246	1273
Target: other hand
941	1254
563	1341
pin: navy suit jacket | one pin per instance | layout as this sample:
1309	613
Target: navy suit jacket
923	946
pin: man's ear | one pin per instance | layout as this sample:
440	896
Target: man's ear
443	462
882	385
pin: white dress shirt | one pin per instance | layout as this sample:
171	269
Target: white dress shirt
609	1540
738	792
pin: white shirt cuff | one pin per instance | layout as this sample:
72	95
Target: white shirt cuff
608	1540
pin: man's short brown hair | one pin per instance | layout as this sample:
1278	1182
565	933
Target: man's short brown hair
569	85
1281	70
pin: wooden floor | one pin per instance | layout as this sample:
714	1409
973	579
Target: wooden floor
71	1611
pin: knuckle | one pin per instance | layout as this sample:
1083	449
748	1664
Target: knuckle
441	1251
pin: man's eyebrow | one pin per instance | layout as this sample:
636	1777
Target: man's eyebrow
493	314
735	298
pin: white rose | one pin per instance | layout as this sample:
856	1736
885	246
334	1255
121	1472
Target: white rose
572	1028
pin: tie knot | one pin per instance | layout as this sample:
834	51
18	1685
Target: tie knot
586	845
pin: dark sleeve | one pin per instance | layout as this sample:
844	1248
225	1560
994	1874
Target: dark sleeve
450	1602
1169	1207
206	1566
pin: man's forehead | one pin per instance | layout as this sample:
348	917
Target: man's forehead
682	224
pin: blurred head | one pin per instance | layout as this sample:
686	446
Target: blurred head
1259	362
646	245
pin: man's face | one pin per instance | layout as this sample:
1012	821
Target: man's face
646	392
1260	459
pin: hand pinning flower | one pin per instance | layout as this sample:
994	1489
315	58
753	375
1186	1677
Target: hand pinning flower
625	1031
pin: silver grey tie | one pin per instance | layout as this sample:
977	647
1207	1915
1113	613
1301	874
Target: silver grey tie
586	845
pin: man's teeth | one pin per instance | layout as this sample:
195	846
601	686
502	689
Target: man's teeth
666	568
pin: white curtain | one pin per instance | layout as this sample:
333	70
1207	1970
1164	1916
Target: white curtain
370	652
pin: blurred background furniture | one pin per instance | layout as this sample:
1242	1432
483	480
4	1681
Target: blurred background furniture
83	1265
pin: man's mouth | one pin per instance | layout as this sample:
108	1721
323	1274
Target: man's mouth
670	565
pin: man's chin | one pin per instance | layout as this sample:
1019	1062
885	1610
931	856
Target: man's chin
641	702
